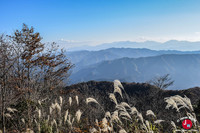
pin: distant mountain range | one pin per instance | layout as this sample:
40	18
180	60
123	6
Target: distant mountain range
169	45
85	58
136	65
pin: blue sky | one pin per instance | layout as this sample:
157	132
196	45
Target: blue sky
98	21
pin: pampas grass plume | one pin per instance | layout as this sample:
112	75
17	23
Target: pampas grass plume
150	112
61	100
124	104
173	124
118	90
134	110
90	99
23	120
117	83
12	110
70	101
112	97
107	114
122	131
78	115
7	115
39	113
65	117
77	101
158	121
124	113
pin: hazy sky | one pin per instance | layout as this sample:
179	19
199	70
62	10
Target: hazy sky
96	21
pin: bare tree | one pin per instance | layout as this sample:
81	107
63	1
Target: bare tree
29	67
6	64
162	82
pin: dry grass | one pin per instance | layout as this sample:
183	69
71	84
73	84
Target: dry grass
125	118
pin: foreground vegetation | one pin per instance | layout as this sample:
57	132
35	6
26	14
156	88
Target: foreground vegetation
64	115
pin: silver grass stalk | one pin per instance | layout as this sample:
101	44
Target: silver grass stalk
69	117
70	101
140	117
117	83
69	123
115	117
35	121
188	102
180	102
39	102
65	117
110	129
11	110
171	103
61	100
91	100
173	125
7	115
118	90
105	126
50	110
38	125
39	113
54	122
93	130
107	114
124	104
97	122
193	118
78	115
105	129
148	125
104	121
158	121
134	110
72	121
126	118
77	101
58	107
120	107
122	131
23	120
53	106
150	112
126	114
112	97
145	127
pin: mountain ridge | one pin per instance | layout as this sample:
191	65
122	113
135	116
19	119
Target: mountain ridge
153	45
85	58
183	69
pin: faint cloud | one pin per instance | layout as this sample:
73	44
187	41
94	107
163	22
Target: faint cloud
189	37
197	33
67	43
